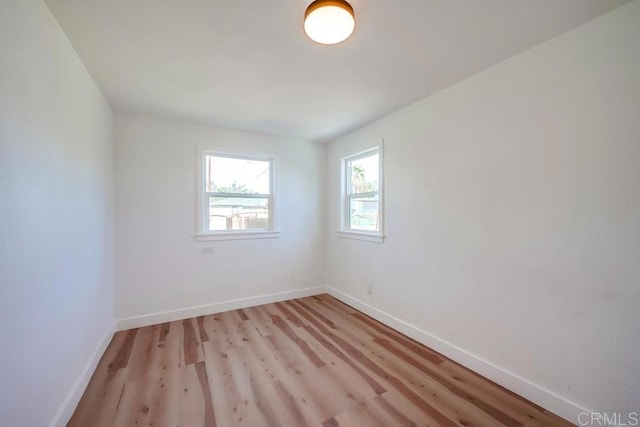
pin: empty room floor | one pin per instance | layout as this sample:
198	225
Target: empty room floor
311	361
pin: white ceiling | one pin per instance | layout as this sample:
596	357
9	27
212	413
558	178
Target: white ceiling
247	63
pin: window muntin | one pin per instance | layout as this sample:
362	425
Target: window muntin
362	192
238	193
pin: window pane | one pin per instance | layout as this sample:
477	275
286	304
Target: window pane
238	213
364	213
365	174
236	175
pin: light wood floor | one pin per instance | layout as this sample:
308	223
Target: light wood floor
308	362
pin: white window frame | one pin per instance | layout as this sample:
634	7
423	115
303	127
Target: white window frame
345	196
203	233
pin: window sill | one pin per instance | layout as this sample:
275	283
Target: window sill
237	235
368	237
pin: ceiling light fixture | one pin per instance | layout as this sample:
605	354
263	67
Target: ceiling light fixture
329	21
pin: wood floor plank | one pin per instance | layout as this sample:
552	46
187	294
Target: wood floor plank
231	326
192	348
289	315
242	314
104	383
191	411
202	330
397	416
291	405
301	302
121	358
507	416
321	389
285	380
302	344
343	308
209	414
431	373
403	374
165	396
99	405
397	383
145	380
231	406
313	361
353	387
375	385
491	392
165	328
260	320
456	408
461	410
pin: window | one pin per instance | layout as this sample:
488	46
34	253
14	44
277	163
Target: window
237	196
362	195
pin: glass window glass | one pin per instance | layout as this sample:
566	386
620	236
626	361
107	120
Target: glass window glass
238	213
364	213
237	175
365	174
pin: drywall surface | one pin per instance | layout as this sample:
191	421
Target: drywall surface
513	215
56	216
159	265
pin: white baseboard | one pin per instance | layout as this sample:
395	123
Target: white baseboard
525	388
64	413
218	307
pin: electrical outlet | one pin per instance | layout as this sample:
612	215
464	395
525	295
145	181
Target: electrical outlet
208	250
370	289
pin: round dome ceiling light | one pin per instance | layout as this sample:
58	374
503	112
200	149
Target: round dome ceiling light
329	21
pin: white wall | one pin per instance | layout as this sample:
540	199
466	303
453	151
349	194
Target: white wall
159	265
56	218
513	215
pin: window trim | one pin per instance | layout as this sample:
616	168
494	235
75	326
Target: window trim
345	231
202	233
